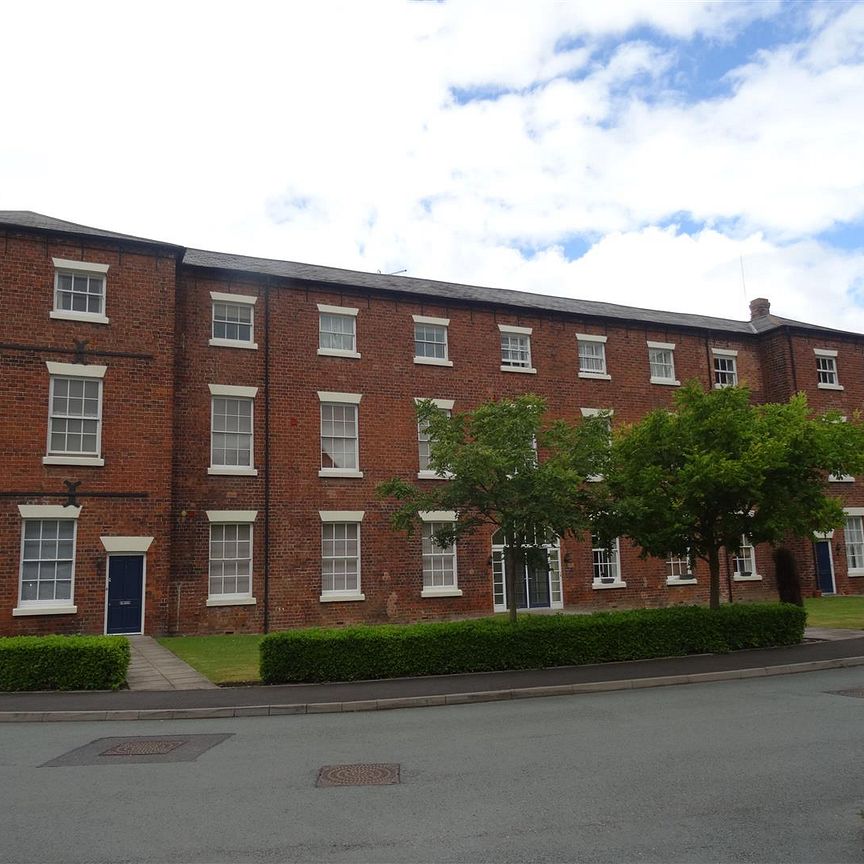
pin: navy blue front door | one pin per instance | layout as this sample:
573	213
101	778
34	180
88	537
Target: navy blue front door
824	570
125	589
532	592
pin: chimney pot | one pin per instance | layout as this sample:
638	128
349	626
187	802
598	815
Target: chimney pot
759	308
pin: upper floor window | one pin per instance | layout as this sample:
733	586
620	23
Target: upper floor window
826	369
423	440
337	331
430	341
47	566
233	320
592	356
725	367
439	562
744	561
79	291
661	361
516	349
232	430
75	414
340	440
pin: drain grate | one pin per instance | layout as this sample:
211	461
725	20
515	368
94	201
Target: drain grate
359	774
142	747
855	692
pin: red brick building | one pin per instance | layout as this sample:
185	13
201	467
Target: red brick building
191	440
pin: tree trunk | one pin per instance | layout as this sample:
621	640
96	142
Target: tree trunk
511	565
714	578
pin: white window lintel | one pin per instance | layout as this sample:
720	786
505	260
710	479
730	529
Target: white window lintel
232	515
824	352
426	319
80	266
590	337
76	370
48	511
221	297
661	346
725	352
437	515
443	404
341	515
231	390
350	398
512	328
338	310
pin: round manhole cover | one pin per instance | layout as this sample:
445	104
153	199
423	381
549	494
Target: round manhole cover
146	747
359	774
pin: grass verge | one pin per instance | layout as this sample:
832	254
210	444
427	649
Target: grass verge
846	613
222	659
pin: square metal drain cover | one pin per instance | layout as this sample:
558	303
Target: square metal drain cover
359	774
140	749
855	692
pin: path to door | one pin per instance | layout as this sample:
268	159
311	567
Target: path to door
153	667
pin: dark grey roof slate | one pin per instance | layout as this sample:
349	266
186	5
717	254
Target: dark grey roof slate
443	291
29	219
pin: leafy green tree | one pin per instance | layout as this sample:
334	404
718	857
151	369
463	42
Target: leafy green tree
508	469
694	480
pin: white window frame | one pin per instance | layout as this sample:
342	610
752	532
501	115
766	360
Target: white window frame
728	354
233	392
343	517
439	517
854	513
512	330
65	267
444	323
343	312
74	371
828	356
615	562
592	338
233	300
670	348
675	560
238	518
331	398
736	574
41	513
425	473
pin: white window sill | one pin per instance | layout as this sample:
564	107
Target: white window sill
337	352
600	586
595	478
830	386
231	601
18	611
432	361
233	470
341	598
853	573
440	592
680	581
754	578
431	475
599	376
95	461
525	370
721	386
844	478
233	343
667	381
69	315
340	472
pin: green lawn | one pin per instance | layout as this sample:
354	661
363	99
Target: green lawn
843	612
222	659
231	659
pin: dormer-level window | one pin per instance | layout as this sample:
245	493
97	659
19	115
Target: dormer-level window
431	346
826	369
337	331
725	367
516	349
79	291
233	320
661	361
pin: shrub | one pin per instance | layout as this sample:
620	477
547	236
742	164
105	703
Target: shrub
488	644
63	662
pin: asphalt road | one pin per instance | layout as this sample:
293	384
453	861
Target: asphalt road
761	770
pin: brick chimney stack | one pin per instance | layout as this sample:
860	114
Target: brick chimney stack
759	308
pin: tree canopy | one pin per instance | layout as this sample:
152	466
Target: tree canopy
508	468
694	480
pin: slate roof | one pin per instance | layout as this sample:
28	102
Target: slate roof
29	219
444	291
428	288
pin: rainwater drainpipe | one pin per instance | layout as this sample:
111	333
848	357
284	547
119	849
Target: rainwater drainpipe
266	458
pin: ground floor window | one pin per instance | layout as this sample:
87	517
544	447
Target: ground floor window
230	560
439	563
679	569
606	562
744	562
340	558
47	561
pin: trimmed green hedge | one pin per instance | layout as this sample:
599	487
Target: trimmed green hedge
63	662
534	642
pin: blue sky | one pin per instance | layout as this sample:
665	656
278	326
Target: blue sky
634	151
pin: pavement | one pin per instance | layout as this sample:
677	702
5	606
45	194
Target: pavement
827	649
152	667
